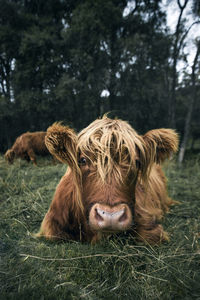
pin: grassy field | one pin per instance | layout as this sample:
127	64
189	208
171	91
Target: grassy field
113	269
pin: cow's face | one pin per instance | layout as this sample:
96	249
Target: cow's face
107	159
10	155
110	168
108	201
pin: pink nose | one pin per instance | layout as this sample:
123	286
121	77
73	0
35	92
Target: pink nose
106	218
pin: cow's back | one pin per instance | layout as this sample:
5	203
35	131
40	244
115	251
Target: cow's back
36	140
30	141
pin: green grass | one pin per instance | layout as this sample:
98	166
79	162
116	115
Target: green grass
116	268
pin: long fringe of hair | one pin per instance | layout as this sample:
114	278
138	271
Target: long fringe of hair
113	146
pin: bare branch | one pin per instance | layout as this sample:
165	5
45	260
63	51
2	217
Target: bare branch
182	7
185	34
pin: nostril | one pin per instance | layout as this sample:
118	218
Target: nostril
97	215
123	217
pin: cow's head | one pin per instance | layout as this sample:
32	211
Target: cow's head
106	160
10	155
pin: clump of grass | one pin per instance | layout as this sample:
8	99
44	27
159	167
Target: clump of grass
116	268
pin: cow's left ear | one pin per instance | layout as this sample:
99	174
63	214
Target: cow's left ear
160	144
61	142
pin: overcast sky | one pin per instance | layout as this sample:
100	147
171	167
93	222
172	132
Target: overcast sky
173	11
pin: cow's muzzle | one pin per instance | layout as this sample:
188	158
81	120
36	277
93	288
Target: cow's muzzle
107	218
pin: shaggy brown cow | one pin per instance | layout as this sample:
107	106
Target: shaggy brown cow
114	182
27	146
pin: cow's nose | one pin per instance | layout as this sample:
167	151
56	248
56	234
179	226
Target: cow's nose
105	218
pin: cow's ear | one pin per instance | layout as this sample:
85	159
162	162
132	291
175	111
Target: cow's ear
61	142
160	144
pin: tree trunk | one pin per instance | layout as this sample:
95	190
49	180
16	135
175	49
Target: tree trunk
176	51
190	110
186	131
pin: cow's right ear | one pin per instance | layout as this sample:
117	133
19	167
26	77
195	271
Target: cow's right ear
61	142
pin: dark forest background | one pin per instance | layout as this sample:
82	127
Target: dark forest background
58	56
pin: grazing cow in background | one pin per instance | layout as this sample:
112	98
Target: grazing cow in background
27	146
113	183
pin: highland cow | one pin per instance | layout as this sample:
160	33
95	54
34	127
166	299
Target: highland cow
27	146
114	182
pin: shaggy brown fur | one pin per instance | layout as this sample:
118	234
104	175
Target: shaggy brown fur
114	178
27	146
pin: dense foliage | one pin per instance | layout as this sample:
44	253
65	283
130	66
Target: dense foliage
116	268
75	60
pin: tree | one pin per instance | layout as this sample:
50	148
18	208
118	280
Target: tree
38	66
10	24
188	118
179	37
92	56
196	7
146	53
